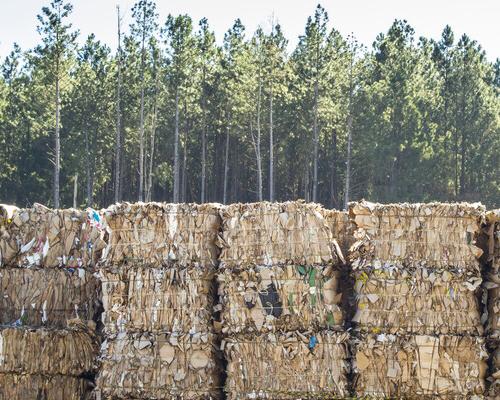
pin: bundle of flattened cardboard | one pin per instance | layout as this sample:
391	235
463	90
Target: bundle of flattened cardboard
280	302
292	297
157	275
420	365
42	237
417	275
492	286
266	233
159	234
48	361
48	301
169	299
36	297
287	365
160	366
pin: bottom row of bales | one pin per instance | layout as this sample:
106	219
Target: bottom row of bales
268	322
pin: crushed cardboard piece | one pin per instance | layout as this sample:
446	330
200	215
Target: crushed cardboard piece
266	233
292	297
168	299
159	234
287	365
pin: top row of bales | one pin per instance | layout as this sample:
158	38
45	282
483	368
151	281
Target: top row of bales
157	234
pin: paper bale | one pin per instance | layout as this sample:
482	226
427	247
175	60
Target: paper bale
419	365
47	297
261	299
342	228
47	352
167	299
435	235
276	234
160	366
421	302
288	365
43	387
158	234
492	281
41	237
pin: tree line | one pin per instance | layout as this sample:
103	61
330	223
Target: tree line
171	115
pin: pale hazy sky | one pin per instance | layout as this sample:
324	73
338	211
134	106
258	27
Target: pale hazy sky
480	19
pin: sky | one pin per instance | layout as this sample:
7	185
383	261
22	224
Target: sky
363	18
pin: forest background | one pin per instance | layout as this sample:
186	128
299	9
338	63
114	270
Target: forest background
172	115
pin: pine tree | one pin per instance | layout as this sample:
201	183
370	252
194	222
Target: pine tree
58	41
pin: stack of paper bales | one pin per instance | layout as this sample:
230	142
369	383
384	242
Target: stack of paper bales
49	300
158	283
280	303
417	282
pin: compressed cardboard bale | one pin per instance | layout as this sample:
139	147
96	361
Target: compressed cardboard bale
159	234
292	297
42	387
41	237
492	275
287	365
276	234
160	366
435	235
419	365
47	352
167	299
423	301
47	297
342	228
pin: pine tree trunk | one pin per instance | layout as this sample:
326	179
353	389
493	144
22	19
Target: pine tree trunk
316	139
141	133
203	153
184	154
57	161
257	145
226	168
57	144
348	162
152	145
88	167
349	138
333	189
176	148
75	191
306	183
118	146
271	147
